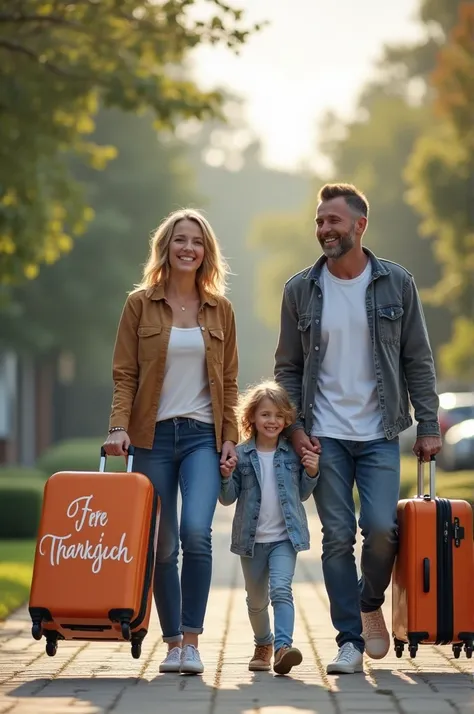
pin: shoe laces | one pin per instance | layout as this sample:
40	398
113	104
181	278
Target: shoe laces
374	625
346	653
190	653
261	652
174	655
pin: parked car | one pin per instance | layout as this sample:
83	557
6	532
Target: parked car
454	407
458	447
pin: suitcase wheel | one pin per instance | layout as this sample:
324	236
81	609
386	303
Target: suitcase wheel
37	630
136	650
51	648
468	649
457	649
399	650
125	626
413	650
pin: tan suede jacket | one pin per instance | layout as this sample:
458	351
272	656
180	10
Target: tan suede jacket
140	356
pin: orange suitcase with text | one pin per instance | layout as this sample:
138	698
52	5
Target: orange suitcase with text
434	572
95	557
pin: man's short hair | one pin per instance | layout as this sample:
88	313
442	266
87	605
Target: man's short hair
354	198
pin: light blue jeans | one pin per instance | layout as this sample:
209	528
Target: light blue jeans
184	454
374	466
268	578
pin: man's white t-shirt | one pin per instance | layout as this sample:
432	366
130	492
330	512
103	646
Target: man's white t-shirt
271	525
346	404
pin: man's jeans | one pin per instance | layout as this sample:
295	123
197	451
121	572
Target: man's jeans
375	468
272	563
184	453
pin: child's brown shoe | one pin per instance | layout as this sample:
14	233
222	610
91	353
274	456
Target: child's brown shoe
261	659
286	658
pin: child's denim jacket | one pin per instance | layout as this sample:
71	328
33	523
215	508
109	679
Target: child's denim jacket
294	485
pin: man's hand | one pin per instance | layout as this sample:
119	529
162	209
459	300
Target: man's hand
310	462
300	440
427	446
117	443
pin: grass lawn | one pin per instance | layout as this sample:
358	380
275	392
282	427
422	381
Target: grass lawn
16	566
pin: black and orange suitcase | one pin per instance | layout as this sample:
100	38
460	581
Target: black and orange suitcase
434	572
95	557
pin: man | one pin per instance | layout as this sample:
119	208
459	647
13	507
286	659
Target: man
353	348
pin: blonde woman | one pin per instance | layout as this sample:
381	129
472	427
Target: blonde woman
175	391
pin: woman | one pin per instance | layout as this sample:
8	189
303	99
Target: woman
175	391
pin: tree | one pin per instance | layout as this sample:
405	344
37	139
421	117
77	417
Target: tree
441	179
59	63
75	303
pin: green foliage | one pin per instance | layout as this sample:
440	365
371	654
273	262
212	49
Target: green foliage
61	61
20	472
20	507
74	305
441	179
76	455
16	566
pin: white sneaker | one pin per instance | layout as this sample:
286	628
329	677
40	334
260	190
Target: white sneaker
172	661
347	661
375	634
191	661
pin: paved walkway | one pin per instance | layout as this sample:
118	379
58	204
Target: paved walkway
96	679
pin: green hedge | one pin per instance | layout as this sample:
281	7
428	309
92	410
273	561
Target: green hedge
20	472
20	507
76	455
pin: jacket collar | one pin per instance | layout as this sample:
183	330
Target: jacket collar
250	445
378	268
157	292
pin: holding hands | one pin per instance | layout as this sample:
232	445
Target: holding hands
310	461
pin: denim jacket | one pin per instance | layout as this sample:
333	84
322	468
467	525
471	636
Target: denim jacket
403	361
294	486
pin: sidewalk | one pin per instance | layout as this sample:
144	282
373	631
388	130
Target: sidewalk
88	678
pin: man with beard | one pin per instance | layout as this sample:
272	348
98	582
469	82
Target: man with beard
353	349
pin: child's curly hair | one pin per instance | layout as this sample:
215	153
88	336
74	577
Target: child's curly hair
251	398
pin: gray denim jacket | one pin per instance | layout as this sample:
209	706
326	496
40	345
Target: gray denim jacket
294	486
403	360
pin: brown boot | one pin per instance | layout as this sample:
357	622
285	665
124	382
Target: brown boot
261	659
286	658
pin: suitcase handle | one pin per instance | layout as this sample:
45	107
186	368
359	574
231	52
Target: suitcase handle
128	458
426	575
421	479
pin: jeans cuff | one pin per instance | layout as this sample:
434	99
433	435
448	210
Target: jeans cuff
193	630
173	638
269	640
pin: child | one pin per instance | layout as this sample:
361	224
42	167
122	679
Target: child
270	526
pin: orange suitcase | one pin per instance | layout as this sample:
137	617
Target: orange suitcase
434	572
95	557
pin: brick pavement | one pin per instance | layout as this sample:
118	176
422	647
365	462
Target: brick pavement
97	679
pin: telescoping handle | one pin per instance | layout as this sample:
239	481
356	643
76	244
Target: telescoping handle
129	458
421	478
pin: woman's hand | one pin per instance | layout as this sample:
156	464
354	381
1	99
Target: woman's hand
228	460
117	443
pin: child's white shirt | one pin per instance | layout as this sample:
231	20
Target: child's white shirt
271	523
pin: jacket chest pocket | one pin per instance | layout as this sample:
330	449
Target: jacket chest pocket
293	471
304	325
149	341
216	344
390	324
248	479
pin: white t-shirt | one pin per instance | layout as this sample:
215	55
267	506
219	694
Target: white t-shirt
346	404
271	525
185	391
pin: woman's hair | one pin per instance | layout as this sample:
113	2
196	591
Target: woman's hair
211	275
251	398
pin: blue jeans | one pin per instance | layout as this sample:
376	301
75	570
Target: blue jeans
274	564
184	453
374	466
